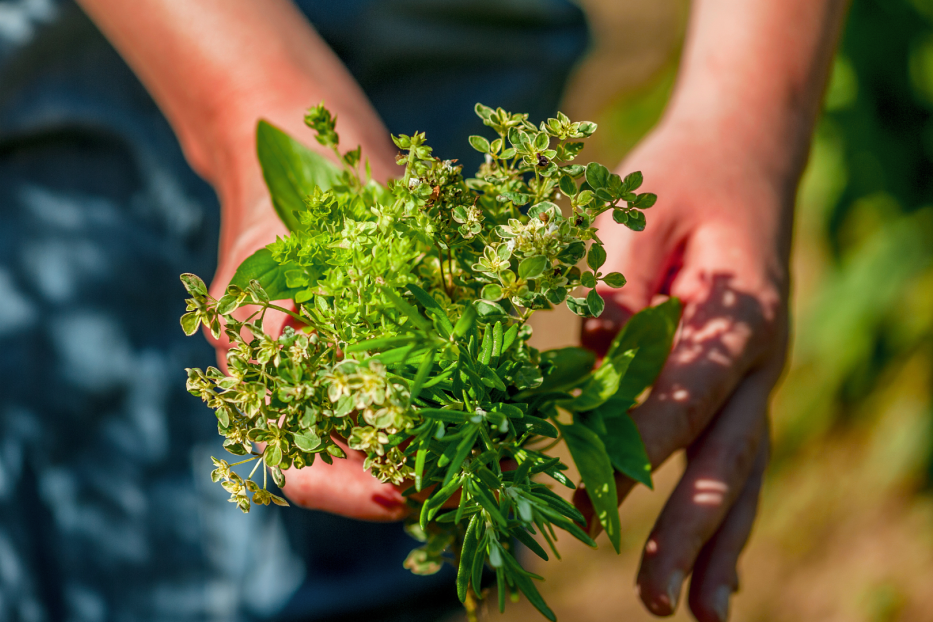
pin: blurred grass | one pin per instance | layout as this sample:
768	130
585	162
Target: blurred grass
846	525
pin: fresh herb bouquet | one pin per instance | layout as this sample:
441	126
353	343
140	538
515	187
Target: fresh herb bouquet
413	301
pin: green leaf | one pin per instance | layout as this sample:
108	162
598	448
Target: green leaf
527	586
633	181
595	467
595	303
518	198
623	443
261	267
291	171
578	306
467	553
596	257
614	279
588	279
432	306
193	284
492	292
466	322
531	267
636	221
307	441
570	366
651	332
190	323
480	144
646	200
567	185
602	384
620	216
273	455
597	175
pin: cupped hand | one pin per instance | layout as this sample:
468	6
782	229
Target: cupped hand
249	223
718	239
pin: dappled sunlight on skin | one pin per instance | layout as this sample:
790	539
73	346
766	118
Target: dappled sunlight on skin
710	492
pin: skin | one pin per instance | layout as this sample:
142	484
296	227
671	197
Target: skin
725	162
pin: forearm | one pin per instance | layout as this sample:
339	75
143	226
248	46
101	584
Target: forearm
216	66
753	74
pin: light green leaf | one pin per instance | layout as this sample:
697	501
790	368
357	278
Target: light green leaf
480	144
190	322
307	441
291	171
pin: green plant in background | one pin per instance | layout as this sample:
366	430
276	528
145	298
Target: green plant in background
866	198
413	301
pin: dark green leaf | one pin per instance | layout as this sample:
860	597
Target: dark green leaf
589	455
568	186
596	257
621	439
597	175
603	383
467	555
636	221
646	200
570	365
651	332
633	181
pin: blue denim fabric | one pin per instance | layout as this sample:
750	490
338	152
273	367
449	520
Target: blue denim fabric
106	508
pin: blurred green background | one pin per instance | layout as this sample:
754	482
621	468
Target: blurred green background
846	525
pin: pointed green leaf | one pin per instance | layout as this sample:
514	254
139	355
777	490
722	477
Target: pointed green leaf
291	171
595	467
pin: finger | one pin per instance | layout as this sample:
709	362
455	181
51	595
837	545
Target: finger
729	326
719	465
345	488
715	577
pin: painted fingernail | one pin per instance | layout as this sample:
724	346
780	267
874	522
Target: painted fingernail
721	599
673	588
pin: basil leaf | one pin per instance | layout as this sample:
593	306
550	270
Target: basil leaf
291	171
651	332
260	266
589	454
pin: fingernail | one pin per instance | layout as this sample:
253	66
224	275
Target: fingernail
721	602
673	588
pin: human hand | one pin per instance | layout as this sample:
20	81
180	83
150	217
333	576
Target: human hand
718	239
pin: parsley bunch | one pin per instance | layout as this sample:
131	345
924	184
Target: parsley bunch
413	301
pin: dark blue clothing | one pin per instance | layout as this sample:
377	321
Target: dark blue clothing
106	507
